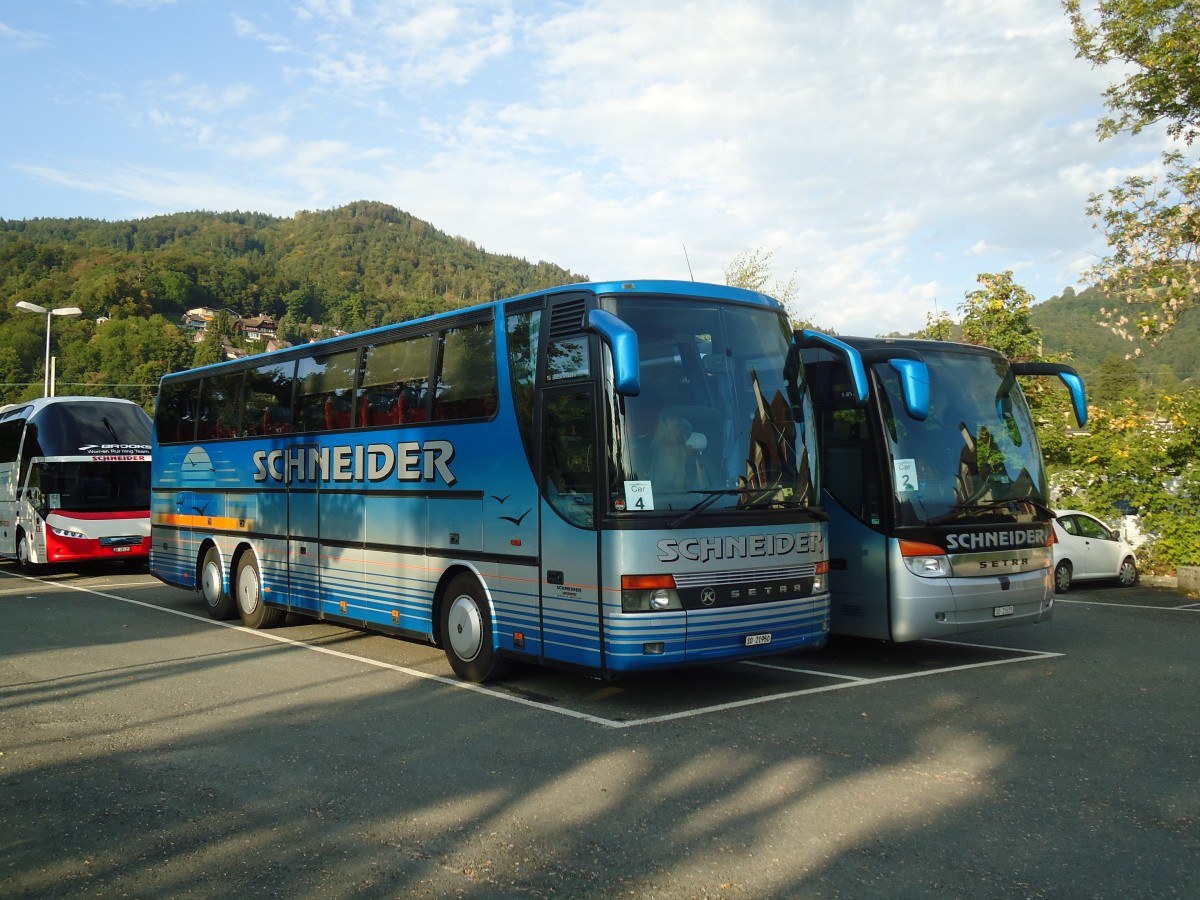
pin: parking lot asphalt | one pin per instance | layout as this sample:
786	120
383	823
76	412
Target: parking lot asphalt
148	751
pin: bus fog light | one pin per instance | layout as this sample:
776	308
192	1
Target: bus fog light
657	648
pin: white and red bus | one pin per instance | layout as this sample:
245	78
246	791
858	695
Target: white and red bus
74	481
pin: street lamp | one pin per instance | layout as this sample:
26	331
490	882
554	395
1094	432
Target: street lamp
41	310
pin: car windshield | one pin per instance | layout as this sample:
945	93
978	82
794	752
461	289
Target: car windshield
717	424
976	453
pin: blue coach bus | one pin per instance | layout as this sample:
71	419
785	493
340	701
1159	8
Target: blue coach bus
938	501
609	477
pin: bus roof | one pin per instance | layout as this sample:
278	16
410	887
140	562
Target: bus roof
39	404
82	426
700	289
864	344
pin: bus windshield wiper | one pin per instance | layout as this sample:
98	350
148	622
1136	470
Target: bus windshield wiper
990	505
762	501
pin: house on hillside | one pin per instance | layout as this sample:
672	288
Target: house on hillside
322	332
197	319
256	328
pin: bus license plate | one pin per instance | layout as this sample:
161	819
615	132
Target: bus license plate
755	640
1002	611
121	549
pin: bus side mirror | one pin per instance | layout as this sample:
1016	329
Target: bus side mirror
914	384
622	342
858	372
914	377
1068	376
1078	395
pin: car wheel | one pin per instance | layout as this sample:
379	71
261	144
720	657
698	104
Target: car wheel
1128	574
1062	577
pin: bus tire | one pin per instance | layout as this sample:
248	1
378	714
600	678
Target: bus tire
1062	577
466	632
247	589
25	555
212	585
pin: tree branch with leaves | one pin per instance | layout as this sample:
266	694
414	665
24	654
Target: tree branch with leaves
1150	224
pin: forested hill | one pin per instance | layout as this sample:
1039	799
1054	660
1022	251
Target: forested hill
359	266
1073	324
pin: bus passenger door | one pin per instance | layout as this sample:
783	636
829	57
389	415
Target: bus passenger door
572	624
303	536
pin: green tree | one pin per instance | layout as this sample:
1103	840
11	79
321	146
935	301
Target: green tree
1151	225
752	270
1155	42
210	350
1148	460
997	316
937	328
1116	382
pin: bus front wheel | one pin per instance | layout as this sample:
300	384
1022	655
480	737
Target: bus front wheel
467	633
212	586
248	590
25	555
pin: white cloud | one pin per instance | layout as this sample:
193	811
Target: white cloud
21	40
886	151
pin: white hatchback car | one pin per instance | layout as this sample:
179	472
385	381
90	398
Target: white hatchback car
1085	549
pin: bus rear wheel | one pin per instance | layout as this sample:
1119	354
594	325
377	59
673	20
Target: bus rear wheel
247	589
467	633
212	585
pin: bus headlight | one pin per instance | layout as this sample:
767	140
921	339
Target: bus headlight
926	560
67	533
649	593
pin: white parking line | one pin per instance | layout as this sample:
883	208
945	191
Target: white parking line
684	714
1185	607
846	681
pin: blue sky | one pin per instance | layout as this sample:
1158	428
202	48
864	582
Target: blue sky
884	151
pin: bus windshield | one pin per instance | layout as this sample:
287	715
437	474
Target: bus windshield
717	424
976	453
83	487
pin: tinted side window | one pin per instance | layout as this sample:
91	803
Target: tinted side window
325	391
466	382
175	414
395	382
524	330
10	439
220	407
268	407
